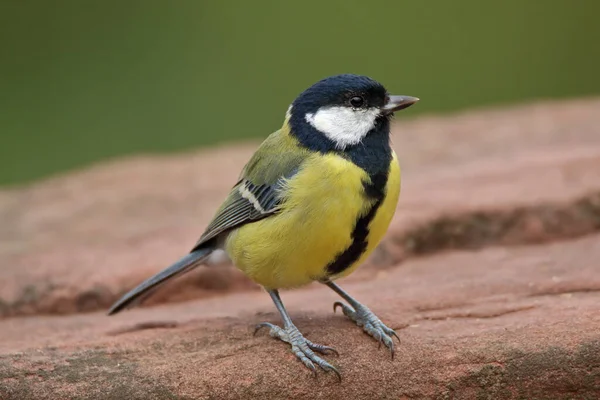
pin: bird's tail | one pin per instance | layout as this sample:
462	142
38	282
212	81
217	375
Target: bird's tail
145	288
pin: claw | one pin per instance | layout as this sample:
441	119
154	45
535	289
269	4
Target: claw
263	325
346	310
363	317
336	305
302	348
337	373
256	329
396	335
390	345
321	348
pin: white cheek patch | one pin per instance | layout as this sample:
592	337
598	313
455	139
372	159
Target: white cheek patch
343	125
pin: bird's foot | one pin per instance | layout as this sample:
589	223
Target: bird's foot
303	348
370	323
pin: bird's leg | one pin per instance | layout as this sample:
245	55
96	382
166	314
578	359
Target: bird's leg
303	348
364	318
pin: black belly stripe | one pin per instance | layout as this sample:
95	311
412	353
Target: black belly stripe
374	190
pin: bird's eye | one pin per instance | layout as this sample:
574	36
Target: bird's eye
356	101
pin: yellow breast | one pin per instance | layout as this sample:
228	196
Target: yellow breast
323	202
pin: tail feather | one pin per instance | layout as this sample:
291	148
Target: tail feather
145	288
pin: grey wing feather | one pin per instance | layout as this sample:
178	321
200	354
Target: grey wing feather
262	185
246	202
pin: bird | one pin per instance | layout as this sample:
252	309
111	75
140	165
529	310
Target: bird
311	204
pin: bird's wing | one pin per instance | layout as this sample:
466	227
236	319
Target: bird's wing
261	188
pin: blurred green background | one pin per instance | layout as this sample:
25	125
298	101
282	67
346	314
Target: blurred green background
82	81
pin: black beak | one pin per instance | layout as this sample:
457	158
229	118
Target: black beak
397	103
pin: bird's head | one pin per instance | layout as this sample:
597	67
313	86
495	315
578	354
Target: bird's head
341	110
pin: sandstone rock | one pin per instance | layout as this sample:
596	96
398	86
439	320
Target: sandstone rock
497	323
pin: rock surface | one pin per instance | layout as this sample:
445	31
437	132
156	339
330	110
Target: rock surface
489	272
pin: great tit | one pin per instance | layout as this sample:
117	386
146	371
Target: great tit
310	205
